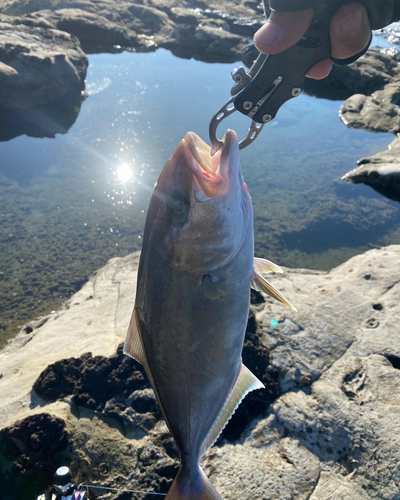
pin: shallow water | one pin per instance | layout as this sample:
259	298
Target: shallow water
69	204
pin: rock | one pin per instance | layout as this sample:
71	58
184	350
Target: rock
381	172
372	90
94	31
28	449
145	25
371	72
38	67
328	424
369	113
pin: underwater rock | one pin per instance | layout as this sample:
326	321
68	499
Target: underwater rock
328	421
381	172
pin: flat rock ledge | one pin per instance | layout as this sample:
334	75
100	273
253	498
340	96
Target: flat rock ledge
326	427
381	172
374	81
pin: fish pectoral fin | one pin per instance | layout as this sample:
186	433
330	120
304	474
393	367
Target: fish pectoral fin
245	383
262	285
133	345
266	266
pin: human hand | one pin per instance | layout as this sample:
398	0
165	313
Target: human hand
349	29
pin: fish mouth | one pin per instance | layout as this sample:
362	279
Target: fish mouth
213	175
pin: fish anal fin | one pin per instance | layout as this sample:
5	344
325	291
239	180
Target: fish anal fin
260	284
134	348
195	486
245	383
266	266
133	345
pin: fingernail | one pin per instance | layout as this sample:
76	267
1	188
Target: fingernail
351	24
269	34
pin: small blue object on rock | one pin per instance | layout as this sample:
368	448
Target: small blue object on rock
274	323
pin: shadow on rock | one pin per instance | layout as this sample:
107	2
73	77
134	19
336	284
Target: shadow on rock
28	454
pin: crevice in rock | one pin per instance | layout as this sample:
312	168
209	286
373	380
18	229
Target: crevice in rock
394	360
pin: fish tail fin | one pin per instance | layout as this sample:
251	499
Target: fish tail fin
192	486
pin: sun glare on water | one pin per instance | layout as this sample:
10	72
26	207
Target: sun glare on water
124	172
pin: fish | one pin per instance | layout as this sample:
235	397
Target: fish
192	300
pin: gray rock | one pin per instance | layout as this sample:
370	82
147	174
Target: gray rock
333	431
376	79
381	172
371	113
221	31
39	66
371	72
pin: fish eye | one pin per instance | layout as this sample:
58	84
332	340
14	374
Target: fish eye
179	207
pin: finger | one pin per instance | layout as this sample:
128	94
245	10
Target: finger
320	70
282	30
350	31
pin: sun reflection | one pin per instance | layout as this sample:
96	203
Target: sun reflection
124	172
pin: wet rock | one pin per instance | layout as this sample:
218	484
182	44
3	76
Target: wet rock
93	30
381	172
39	67
370	113
330	421
371	72
222	31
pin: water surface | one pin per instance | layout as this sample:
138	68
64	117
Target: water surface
69	204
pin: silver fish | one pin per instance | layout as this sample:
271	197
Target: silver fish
192	302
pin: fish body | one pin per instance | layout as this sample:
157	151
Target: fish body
192	302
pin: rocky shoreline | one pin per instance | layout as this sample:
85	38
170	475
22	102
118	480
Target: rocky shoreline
43	62
43	43
327	426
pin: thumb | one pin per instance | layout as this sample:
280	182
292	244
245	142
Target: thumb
282	30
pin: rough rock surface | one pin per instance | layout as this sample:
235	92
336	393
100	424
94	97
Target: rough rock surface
212	31
42	76
43	67
373	87
38	66
328	428
381	172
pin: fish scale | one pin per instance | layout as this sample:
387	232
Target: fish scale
193	298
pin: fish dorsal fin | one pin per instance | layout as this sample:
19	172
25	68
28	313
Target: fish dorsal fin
245	383
266	266
133	345
262	285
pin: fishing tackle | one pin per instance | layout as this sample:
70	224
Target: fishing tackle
274	79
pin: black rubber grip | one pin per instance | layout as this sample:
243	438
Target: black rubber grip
316	5
380	12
